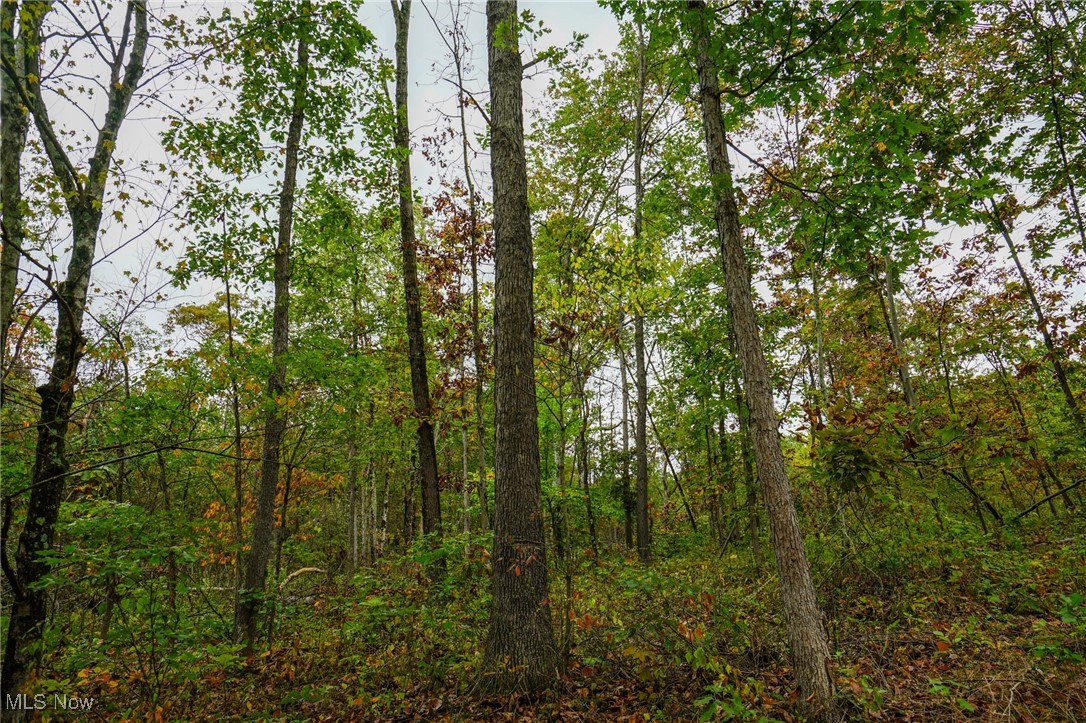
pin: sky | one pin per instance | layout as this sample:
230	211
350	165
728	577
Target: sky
128	246
432	91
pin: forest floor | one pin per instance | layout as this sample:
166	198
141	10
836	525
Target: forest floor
964	627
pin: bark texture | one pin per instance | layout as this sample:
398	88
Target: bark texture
806	635
627	493
416	341
14	123
520	650
641	453
250	601
83	195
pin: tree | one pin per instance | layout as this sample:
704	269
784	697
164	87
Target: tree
17	49
416	340
457	44
306	75
83	194
256	565
641	452
520	651
806	635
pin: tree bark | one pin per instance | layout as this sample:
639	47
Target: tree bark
750	483
806	635
903	370
820	347
479	348
641	453
520	648
641	465
83	194
1054	354
352	504
409	504
583	463
235	409
14	124
627	493
256	567
282	532
465	487
416	341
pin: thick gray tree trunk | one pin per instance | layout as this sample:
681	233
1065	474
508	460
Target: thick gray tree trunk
806	635
250	601
520	650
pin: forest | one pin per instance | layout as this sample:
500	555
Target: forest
441	361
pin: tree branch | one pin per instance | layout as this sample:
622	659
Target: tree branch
790	56
1052	496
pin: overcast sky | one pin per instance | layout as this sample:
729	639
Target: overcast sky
129	246
431	91
430	95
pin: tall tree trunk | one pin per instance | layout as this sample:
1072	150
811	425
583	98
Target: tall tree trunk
559	520
465	487
478	347
416	341
282	532
256	566
235	410
806	635
750	483
820	347
14	123
627	493
520	650
352	504
641	453
641	467
1072	192
409	504
83	194
895	335
1055	355
583	465
1057	51
380	545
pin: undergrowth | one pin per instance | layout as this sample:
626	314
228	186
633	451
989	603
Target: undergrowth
949	626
